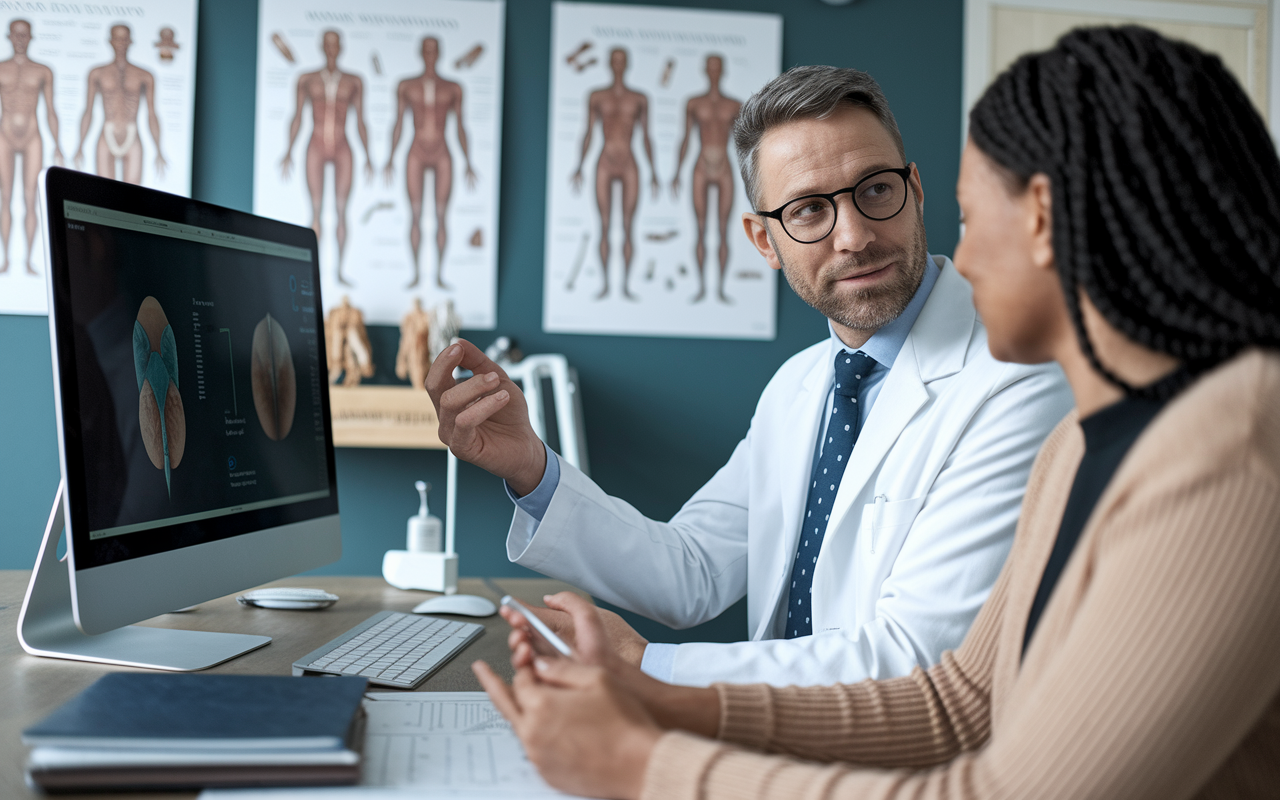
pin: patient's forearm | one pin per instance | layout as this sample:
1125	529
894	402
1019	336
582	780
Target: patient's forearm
686	708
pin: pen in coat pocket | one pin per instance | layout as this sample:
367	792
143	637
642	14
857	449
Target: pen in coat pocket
876	518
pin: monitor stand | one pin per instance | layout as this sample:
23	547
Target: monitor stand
46	626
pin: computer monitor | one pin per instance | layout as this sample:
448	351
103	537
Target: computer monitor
193	419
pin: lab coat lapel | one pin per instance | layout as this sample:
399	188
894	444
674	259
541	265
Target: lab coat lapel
795	463
935	348
901	396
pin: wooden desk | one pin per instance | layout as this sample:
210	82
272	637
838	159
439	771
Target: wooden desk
31	687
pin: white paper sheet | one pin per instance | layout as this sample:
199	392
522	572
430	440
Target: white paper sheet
447	121
682	73
428	745
71	40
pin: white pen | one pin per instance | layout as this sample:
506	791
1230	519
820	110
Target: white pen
538	625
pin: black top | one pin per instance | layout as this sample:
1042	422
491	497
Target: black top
1108	435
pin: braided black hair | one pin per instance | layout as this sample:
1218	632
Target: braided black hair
1165	188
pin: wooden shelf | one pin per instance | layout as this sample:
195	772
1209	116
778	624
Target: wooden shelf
383	416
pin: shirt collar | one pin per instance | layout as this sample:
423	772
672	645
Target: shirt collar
885	343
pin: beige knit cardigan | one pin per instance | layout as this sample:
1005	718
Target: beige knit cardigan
1154	671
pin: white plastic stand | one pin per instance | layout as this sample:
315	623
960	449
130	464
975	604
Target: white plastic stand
567	399
432	572
46	625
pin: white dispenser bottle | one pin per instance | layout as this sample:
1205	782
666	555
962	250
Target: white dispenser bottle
425	563
425	532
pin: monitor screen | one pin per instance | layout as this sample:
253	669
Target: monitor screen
191	356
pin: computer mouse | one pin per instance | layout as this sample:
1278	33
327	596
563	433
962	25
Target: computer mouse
468	605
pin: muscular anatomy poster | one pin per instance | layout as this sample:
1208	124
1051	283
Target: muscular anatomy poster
378	126
644	198
107	88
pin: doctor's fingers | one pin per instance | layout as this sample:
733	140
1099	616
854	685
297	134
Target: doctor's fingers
465	434
462	395
440	376
474	359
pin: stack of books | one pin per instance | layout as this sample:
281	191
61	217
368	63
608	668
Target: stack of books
167	731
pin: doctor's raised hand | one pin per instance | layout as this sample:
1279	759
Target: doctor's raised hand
484	420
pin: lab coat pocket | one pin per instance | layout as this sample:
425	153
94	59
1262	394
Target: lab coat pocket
885	521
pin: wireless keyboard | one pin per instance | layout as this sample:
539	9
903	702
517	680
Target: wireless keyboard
391	648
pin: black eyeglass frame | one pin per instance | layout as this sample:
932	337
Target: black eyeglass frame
902	172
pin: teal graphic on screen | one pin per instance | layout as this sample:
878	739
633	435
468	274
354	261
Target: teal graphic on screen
160	412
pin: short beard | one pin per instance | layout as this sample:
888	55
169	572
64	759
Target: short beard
869	310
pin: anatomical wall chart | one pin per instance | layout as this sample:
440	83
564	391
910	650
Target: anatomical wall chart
106	88
644	198
379	127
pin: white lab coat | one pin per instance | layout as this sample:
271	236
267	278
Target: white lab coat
921	523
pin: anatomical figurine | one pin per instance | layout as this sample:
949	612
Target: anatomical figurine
414	357
346	342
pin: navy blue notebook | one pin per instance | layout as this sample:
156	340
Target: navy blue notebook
164	711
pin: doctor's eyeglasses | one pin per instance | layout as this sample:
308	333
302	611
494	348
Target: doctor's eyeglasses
879	196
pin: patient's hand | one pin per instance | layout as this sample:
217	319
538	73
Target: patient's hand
620	638
587	630
580	728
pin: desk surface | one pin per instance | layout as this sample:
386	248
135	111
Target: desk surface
31	687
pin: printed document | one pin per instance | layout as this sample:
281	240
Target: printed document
428	745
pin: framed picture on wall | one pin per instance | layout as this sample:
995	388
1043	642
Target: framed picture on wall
109	89
380	129
1242	33
644	198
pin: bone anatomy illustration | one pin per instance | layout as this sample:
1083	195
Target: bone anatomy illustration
274	379
166	46
160	412
22	83
283	47
469	58
348	352
414	357
431	99
619	110
331	93
122	86
712	114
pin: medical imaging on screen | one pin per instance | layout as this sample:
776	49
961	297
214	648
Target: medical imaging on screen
199	369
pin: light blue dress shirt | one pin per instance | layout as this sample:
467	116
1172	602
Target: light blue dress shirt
883	345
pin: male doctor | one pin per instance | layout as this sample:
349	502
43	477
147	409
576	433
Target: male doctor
872	503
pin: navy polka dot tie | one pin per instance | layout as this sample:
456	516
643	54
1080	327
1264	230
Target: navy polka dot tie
842	432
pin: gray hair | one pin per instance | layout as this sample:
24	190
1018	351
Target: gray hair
813	92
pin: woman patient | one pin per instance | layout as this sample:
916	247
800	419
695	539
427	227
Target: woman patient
1121	202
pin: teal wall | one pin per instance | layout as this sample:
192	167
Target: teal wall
662	414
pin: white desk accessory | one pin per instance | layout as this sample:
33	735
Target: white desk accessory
289	598
467	605
423	565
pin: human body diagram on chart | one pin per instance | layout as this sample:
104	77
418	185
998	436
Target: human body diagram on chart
23	83
644	196
332	94
421	107
94	92
431	101
122	85
622	114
